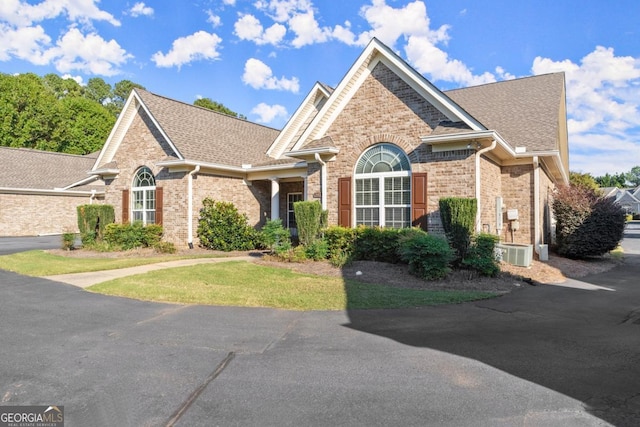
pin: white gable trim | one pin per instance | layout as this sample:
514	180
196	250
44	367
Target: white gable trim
131	108
295	123
373	54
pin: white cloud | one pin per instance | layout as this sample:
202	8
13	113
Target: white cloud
603	106
258	75
229	2
429	59
248	27
78	79
603	91
198	46
307	30
139	9
268	113
389	24
90	54
23	14
26	43
213	19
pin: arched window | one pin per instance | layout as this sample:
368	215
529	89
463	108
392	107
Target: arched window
143	190
383	187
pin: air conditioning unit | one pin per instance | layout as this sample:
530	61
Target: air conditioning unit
516	254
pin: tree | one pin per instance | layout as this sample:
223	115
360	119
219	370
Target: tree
61	88
588	224
121	91
98	90
29	113
617	180
583	180
85	126
216	106
633	176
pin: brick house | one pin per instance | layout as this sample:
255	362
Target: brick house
381	148
40	190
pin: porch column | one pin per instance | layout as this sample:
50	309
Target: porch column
275	198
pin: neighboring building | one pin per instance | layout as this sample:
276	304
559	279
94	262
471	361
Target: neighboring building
379	149
40	190
627	198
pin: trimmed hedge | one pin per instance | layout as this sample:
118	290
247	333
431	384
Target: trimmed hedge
308	220
458	220
428	256
587	224
136	235
92	221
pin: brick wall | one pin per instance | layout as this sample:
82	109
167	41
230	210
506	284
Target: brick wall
32	215
386	109
490	189
517	190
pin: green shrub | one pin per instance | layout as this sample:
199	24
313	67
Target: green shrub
68	241
274	235
92	221
376	244
129	236
340	244
165	248
318	250
428	256
458	220
308	220
481	255
222	227
587	224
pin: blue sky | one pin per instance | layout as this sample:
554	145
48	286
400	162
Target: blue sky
261	57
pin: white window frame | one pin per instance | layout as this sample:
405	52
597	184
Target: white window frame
380	178
143	196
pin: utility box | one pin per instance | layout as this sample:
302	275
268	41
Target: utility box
512	214
516	254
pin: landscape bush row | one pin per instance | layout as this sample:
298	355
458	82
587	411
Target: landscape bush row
222	227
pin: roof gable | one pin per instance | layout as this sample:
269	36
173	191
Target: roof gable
300	120
375	53
195	134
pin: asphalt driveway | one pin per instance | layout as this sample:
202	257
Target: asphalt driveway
542	355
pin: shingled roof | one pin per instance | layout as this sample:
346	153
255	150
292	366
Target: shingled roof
43	170
203	135
524	111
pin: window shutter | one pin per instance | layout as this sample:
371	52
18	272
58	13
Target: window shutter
419	200
159	202
125	206
344	202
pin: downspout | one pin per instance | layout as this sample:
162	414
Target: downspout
92	197
190	206
478	192
536	204
323	181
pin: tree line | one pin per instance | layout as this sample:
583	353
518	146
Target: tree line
51	113
620	180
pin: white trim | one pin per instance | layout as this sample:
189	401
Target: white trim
286	135
48	192
374	53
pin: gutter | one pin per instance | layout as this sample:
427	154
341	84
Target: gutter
536	204
479	153
190	206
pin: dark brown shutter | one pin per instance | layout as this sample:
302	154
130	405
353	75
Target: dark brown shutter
125	206
344	202
159	202
419	200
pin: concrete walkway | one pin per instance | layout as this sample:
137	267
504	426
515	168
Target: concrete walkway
90	278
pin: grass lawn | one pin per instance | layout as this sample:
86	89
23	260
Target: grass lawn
39	263
238	283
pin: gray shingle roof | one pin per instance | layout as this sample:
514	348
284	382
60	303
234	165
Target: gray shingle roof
203	135
42	170
524	111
